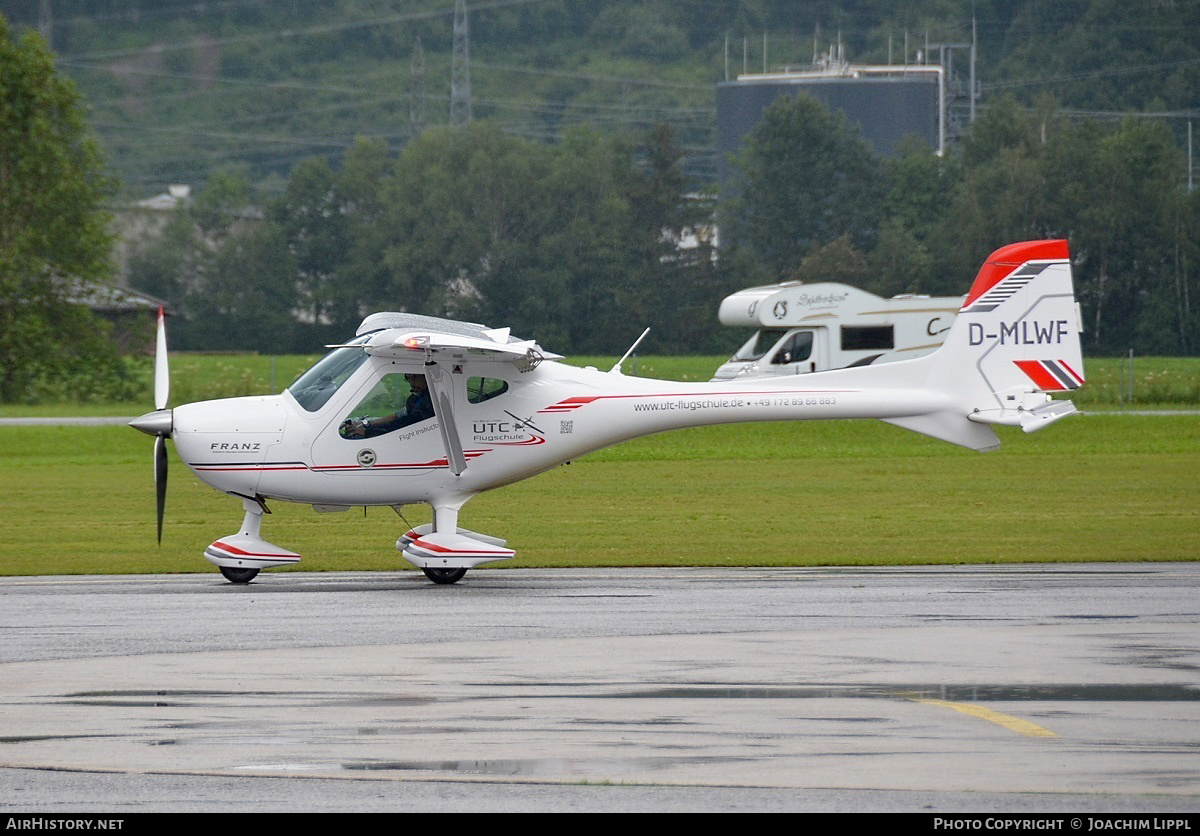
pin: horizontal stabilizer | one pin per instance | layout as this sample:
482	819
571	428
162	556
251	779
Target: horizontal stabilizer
1028	420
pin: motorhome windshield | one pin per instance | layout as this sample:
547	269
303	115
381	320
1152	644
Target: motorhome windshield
313	389
758	345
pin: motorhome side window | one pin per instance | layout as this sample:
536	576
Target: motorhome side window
796	348
868	337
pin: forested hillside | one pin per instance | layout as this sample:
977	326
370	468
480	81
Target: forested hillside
178	88
327	181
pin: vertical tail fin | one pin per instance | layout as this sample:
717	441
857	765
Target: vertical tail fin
1019	327
1015	341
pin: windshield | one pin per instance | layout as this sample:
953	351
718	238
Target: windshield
758	345
315	387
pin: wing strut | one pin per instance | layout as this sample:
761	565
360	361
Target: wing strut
442	390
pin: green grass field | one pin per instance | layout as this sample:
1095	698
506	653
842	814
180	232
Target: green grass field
1154	382
1092	488
1095	488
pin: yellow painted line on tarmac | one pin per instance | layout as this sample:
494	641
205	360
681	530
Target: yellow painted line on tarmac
1006	720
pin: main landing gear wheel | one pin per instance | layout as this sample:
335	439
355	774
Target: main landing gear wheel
444	575
236	575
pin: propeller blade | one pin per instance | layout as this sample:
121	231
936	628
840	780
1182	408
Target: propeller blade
160	479
162	375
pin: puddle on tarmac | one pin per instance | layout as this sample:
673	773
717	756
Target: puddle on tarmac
714	691
192	699
41	738
536	766
951	693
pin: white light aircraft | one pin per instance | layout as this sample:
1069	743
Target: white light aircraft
417	409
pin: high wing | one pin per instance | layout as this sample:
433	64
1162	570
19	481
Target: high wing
403	335
442	347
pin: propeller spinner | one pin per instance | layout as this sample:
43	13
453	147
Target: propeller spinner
159	423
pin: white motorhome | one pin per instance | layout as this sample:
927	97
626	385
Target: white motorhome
803	327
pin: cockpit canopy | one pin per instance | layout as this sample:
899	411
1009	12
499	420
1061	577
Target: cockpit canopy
313	389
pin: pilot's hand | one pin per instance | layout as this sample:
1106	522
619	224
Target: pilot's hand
353	428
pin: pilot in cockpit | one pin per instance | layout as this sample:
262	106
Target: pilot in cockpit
417	407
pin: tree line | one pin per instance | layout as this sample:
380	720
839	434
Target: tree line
574	243
578	243
53	235
816	203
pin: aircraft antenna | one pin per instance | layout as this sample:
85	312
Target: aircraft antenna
616	369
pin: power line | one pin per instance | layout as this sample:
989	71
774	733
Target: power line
308	31
1113	71
641	82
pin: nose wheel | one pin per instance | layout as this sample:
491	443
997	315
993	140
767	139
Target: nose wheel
444	576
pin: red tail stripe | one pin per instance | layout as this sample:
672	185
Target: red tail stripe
1074	373
1006	259
1042	378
